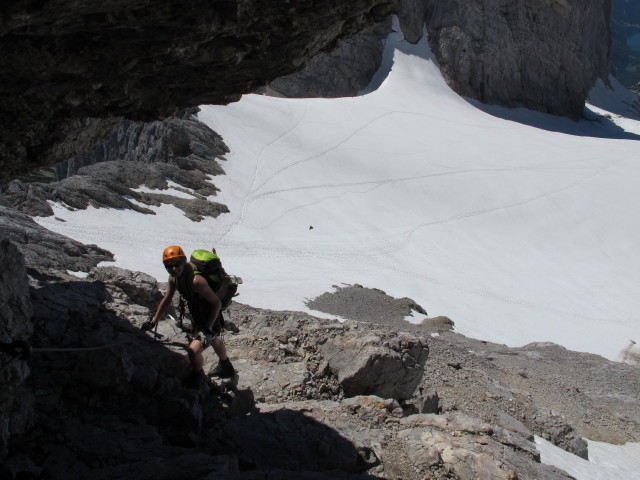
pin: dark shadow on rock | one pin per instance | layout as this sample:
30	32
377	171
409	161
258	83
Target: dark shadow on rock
590	125
112	402
289	440
43	276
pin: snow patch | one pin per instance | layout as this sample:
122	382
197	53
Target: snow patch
606	461
78	274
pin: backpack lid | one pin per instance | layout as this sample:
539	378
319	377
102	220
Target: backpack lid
207	264
203	255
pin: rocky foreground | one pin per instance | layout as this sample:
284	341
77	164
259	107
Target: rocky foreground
314	398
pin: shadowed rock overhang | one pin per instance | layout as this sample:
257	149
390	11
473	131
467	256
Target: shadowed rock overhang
72	69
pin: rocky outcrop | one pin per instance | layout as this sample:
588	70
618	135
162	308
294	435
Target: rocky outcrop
544	56
328	360
115	184
181	150
73	69
520	389
354	302
41	247
467	448
368	364
171	140
343	72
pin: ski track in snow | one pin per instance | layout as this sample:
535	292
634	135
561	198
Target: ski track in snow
464	216
353	134
243	208
413	178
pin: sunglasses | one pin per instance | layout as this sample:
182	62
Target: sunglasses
171	265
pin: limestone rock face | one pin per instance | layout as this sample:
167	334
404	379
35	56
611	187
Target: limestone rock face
40	246
73	71
182	150
138	286
342	72
542	55
67	65
15	314
412	15
168	141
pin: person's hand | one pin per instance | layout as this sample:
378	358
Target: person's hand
147	326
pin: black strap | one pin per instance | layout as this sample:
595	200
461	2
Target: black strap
181	307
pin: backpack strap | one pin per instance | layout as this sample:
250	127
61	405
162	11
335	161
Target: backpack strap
184	284
224	285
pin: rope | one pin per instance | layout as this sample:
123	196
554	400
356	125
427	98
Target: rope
15	352
79	349
23	350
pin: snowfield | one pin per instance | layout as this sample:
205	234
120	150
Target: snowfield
518	233
517	225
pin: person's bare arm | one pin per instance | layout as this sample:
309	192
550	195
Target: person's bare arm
165	302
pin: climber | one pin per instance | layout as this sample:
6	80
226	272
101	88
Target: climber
204	307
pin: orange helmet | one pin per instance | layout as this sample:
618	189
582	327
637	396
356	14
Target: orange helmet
174	251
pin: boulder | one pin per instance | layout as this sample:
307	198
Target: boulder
438	324
141	288
368	365
466	448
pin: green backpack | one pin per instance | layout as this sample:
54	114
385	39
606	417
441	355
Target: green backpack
208	264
